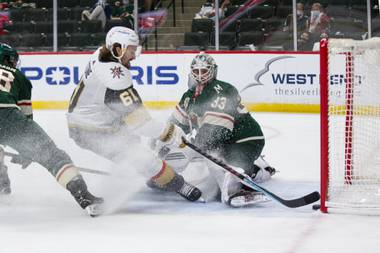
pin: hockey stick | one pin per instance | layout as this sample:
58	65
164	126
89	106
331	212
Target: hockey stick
86	170
292	203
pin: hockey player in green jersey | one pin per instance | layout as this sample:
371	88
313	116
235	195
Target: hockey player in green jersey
20	132
213	110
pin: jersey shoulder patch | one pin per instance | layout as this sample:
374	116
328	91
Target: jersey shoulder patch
114	75
219	88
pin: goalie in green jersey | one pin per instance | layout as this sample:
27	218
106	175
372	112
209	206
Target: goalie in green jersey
212	109
20	132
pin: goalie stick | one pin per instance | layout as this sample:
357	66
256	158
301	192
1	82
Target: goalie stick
246	180
86	170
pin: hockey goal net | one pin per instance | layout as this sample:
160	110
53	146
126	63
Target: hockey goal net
350	125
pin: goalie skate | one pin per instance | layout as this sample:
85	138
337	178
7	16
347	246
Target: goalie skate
247	198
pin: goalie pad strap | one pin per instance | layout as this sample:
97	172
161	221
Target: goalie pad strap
168	132
164	176
66	173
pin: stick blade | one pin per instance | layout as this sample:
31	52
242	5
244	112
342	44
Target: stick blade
303	201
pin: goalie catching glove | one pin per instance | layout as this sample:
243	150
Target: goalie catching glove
169	147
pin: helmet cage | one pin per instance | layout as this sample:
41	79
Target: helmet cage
203	68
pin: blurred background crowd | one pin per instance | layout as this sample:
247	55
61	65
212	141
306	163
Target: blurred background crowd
188	25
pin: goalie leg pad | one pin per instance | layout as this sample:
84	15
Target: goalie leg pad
168	180
164	178
247	198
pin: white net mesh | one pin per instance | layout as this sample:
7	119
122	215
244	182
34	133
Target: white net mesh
354	124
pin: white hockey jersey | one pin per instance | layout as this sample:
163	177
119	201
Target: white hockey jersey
87	105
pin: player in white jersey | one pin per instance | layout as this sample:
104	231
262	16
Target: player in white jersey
106	115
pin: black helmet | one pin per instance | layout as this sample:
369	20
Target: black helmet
8	55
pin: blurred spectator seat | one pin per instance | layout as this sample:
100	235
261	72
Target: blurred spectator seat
278	38
35	14
68	3
87	3
238	2
287	2
346	25
76	13
199	39
274	24
375	24
68	26
17	15
63	14
273	3
21	27
63	39
337	11
44	3
227	39
251	25
230	10
263	12
114	22
350	35
91	26
96	39
248	38
79	39
202	25
358	2
283	11
11	39
232	27
32	40
338	2
43	27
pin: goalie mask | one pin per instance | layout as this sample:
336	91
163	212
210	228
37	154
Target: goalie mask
124	37
203	69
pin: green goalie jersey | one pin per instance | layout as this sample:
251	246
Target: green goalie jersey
15	89
217	114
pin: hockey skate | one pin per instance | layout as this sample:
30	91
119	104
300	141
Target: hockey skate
5	184
245	198
92	204
187	191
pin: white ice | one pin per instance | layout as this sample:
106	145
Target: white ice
40	216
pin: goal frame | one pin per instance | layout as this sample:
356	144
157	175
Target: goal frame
324	90
348	117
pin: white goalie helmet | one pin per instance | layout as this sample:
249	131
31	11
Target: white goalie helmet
123	36
203	68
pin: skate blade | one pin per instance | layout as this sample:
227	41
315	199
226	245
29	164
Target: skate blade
242	201
201	200
95	210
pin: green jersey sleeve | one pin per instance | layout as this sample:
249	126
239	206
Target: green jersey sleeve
180	115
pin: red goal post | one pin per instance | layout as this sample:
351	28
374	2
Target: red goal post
350	125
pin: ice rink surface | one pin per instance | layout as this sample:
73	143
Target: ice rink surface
39	216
